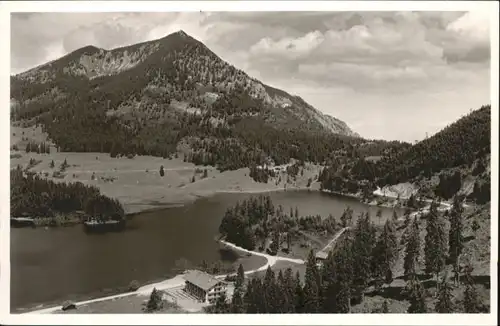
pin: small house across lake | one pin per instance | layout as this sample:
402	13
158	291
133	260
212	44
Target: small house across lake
204	286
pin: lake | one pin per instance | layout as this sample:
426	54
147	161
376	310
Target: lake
57	264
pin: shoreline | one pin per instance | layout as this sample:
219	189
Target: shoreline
173	282
177	281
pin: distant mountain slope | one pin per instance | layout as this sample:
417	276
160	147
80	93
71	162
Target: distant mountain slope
167	95
459	144
458	155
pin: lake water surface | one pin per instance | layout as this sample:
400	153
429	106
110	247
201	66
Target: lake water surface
53	265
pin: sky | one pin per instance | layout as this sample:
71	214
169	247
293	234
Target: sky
388	75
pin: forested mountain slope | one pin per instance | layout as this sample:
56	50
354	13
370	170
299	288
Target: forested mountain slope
165	95
461	149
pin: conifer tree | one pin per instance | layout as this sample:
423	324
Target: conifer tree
237	304
412	250
435	244
328	285
248	297
289	291
385	254
240	277
395	216
270	293
444	304
312	285
417	298
299	297
346	217
275	245
456	236
221	305
52	164
362	250
407	220
471	301
155	301
379	215
385	307
343	263
162	171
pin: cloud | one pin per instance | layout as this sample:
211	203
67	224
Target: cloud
289	48
371	69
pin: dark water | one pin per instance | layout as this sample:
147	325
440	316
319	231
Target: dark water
53	265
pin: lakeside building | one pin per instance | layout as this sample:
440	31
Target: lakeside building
204	286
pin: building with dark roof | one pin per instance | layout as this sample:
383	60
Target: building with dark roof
204	286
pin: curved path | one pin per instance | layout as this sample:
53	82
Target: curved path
178	281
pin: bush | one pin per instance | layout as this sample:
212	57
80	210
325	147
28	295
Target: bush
134	286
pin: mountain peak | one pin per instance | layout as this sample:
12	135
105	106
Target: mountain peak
181	33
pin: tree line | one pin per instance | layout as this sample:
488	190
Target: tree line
251	222
463	144
36	197
362	258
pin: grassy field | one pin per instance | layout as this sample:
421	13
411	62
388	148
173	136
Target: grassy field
136	182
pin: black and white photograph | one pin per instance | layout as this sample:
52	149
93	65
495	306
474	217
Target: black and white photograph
212	162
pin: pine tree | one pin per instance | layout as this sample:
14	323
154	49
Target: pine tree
248	297
379	215
444	304
289	291
385	254
362	251
417	298
270	296
471	301
435	244
312	285
412	250
328	284
385	307
162	171
346	217
456	236
299	297
237	304
275	245
155	301
221	305
343	263
288	241
395	216
240	277
52	164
